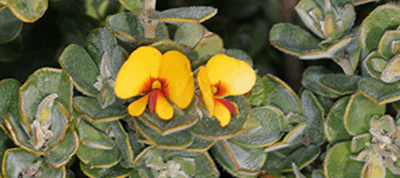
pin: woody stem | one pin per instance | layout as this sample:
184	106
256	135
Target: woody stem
148	25
344	64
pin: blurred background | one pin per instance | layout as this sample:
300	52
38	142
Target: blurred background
242	24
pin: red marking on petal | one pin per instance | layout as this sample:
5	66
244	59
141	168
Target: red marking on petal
152	101
231	107
221	89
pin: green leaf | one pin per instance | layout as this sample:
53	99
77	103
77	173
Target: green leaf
200	144
175	140
123	144
379	92
161	31
127	26
9	96
176	123
292	39
314	113
387	43
342	3
59	124
5	143
358	142
375	64
62	152
83	71
204	166
109	172
135	6
301	157
92	108
210	128
338	163
270	121
148	153
11	50
210	44
99	42
334	126
10	26
318	174
382	19
257	95
29	11
238	160
279	94
42	83
17	159
9	2
166	45
391	74
136	146
99	9
332	50
359	112
349	17
304	8
311	80
91	135
353	50
340	83
330	27
195	14
189	34
97	157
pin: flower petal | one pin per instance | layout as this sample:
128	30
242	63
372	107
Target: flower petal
164	110
134	76
206	89
231	106
176	71
221	113
235	76
137	107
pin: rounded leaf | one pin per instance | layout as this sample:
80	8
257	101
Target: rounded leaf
10	26
175	140
83	71
268	130
195	14
210	128
378	91
238	160
334	126
292	39
382	19
338	163
359	113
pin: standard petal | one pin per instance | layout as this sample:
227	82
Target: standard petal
222	114
137	107
164	110
134	76
206	89
234	76
175	70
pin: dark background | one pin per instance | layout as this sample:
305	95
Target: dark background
242	24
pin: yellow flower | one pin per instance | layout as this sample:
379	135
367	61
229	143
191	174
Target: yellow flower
157	76
224	76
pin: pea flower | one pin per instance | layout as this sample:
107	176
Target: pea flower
157	76
224	76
